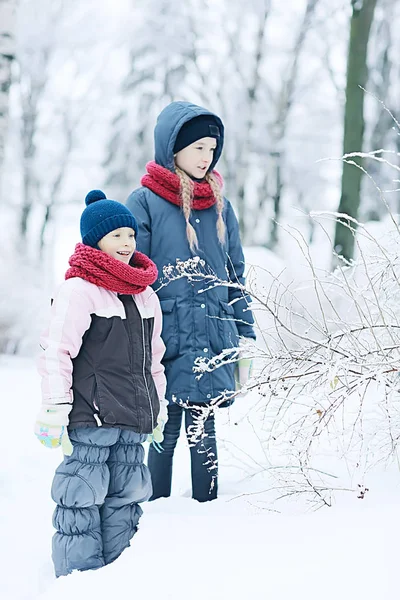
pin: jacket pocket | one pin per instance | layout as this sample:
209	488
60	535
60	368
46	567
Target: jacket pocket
170	331
227	326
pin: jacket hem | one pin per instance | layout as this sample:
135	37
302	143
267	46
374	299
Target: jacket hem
72	425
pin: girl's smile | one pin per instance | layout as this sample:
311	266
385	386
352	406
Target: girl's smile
119	243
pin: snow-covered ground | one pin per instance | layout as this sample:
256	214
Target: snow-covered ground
232	548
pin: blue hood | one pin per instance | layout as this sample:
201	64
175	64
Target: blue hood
169	123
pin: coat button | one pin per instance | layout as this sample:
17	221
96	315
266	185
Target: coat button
202	305
197	220
205	349
208	395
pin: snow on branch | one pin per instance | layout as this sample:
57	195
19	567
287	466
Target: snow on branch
328	361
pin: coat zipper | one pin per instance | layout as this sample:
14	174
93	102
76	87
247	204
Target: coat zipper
144	373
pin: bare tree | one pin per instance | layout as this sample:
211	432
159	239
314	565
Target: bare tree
251	79
328	372
383	84
53	110
72	113
69	126
357	77
7	56
284	104
36	50
32	89
155	78
251	86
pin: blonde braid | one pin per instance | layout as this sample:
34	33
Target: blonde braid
186	192
216	189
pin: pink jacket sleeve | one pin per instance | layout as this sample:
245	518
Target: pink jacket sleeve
157	368
61	342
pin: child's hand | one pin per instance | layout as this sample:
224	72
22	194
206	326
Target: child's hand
66	445
156	437
244	369
53	436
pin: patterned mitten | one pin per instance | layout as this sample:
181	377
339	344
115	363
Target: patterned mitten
51	426
53	436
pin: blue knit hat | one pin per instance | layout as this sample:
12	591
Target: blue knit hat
102	216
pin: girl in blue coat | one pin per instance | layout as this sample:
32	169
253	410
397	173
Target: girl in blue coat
181	213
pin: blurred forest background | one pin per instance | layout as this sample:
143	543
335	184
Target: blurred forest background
82	82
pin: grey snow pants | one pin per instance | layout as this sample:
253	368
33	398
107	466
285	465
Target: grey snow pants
97	491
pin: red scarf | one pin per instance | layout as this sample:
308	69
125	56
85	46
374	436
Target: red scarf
109	273
166	184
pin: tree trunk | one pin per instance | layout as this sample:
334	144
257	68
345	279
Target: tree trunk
286	100
32	87
273	239
7	55
252	90
357	75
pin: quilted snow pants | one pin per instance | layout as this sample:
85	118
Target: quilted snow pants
97	491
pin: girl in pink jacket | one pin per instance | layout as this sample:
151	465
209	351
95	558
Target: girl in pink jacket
103	388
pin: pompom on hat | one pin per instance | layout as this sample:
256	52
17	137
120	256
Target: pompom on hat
101	216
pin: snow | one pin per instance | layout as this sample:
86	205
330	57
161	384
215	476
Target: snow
235	547
242	544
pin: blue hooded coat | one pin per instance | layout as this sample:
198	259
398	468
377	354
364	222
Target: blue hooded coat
195	323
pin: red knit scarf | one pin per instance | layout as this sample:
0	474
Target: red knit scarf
166	184
109	273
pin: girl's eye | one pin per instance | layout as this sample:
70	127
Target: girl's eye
116	234
132	235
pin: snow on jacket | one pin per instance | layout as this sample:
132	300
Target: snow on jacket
195	323
101	360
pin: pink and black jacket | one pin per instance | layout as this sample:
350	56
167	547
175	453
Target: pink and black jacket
101	360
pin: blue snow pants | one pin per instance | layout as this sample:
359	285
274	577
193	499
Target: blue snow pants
203	456
97	491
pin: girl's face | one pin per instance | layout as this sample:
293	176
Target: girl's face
119	244
196	159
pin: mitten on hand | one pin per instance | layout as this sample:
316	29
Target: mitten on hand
243	370
156	437
163	414
49	432
53	436
66	445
